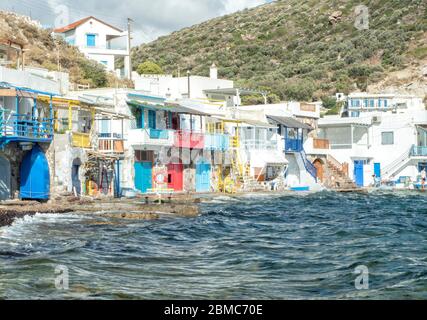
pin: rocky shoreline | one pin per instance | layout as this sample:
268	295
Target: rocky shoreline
129	209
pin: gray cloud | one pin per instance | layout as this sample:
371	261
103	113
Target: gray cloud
152	18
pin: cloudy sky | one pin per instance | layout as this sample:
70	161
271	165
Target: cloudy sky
152	17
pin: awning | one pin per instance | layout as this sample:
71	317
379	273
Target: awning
167	106
290	122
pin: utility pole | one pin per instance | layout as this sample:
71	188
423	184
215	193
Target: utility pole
129	46
189	87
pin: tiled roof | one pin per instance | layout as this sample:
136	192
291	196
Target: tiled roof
74	25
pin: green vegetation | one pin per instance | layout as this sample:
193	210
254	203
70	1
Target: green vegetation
95	72
149	67
43	50
290	49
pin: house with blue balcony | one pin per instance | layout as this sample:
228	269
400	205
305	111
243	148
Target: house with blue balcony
26	132
301	173
385	145
359	103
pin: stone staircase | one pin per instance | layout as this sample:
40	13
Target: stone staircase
336	178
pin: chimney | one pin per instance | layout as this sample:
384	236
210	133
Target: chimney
214	72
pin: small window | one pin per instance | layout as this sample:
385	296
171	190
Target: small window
104	62
387	138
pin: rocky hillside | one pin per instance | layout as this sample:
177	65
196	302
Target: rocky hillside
303	49
42	51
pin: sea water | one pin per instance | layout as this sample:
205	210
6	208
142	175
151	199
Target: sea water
295	246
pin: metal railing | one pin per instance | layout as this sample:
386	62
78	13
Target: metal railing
311	169
158	134
109	135
23	126
419	151
189	139
259	144
389	170
219	142
293	145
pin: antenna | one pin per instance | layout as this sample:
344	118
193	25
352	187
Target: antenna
129	47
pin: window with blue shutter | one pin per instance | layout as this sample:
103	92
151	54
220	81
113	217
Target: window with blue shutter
151	119
91	40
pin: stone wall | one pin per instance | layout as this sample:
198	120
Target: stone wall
14	154
189	179
62	155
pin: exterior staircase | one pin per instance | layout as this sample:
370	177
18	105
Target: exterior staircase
336	176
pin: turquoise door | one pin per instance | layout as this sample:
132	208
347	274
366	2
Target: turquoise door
203	177
358	173
143	176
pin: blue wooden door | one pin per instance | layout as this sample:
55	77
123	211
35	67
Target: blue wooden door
34	174
377	170
358	173
143	176
203	177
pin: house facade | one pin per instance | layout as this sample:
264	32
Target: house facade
383	138
99	41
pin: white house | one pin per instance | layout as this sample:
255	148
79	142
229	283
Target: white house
380	135
99	41
175	88
360	103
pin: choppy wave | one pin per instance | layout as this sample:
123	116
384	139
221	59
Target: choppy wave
293	246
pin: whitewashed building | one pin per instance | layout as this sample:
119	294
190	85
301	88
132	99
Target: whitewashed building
99	41
175	88
379	136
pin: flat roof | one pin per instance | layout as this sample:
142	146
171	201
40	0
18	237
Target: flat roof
290	122
233	91
344	122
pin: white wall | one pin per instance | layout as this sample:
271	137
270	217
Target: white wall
405	136
29	80
100	52
177	88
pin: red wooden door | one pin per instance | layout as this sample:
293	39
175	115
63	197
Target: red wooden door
176	176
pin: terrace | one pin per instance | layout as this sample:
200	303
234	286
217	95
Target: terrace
22	119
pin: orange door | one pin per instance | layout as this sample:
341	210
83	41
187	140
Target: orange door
319	166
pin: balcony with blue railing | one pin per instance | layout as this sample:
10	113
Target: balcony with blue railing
419	151
217	142
159	134
18	127
293	145
142	137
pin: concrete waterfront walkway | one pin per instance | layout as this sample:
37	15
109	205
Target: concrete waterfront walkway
138	208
